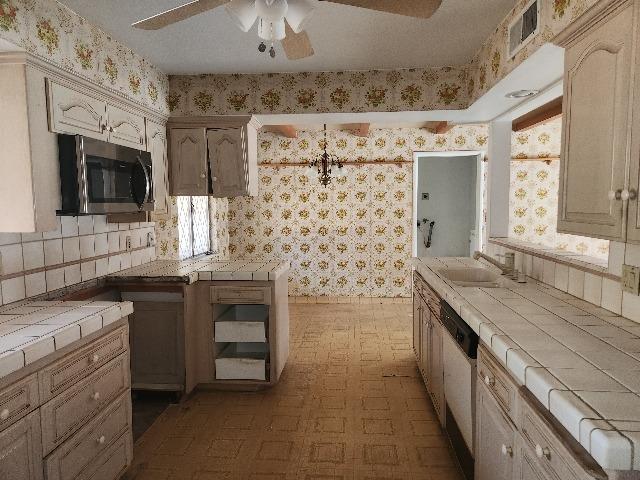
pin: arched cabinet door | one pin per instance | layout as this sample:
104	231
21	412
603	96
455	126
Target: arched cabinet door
157	146
596	136
188	154
228	162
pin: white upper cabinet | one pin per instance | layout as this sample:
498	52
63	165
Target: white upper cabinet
157	146
215	156
125	128
594	193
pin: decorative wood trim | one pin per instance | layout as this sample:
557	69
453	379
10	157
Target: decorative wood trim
538	116
214	121
588	21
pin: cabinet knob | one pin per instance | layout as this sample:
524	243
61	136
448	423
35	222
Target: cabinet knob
94	358
4	414
96	396
488	381
215	179
506	450
615	194
203	175
100	440
111	129
626	195
542	451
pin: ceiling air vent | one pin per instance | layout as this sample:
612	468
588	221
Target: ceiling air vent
524	28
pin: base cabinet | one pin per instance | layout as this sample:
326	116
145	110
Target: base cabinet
21	450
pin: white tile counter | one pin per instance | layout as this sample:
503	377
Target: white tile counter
582	362
30	330
203	268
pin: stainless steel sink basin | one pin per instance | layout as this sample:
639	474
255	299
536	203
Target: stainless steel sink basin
471	277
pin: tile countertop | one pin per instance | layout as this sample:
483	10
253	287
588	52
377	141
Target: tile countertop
202	268
581	361
30	330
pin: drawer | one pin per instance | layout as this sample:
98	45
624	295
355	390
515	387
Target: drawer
113	462
498	382
68	371
79	452
17	400
63	415
242	362
241	295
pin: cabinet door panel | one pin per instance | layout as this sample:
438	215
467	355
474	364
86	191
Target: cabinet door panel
157	146
527	467
495	440
75	113
417	321
21	450
188	161
125	128
425	338
228	162
595	131
436	368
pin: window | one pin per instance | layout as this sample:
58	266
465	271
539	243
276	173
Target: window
193	226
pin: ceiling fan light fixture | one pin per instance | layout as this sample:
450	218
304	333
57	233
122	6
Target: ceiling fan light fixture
298	14
271	10
243	13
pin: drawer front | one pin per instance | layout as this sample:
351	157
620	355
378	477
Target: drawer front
81	450
113	462
238	331
497	381
240	369
68	371
241	295
546	445
17	400
63	415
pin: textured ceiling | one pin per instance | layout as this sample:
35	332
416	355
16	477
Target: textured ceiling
344	38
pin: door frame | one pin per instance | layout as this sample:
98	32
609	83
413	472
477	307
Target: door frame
480	222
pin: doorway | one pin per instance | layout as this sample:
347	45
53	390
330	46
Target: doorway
448	204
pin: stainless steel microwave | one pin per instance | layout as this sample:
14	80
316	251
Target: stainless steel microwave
99	177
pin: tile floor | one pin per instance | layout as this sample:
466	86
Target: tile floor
350	405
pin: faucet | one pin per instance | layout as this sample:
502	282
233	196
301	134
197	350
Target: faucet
506	268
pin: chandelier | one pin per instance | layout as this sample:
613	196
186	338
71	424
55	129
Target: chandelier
271	16
321	166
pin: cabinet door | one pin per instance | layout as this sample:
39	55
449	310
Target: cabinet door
21	449
417	322
495	440
595	132
436	368
188	161
75	113
527	467
425	339
157	145
125	128
228	162
157	345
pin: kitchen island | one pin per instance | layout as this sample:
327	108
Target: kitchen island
205	322
558	392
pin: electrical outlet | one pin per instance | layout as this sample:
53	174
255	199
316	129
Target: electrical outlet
631	279
151	241
128	243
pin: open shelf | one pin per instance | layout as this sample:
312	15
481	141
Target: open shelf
242	361
241	323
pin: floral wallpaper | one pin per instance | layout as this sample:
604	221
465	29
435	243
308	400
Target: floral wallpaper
366	91
533	199
352	238
54	33
492	63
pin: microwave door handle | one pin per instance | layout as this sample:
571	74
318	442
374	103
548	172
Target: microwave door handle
147	180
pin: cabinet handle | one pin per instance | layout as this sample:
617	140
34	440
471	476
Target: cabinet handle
630	194
615	194
95	358
4	414
542	452
100	440
96	396
488	381
506	450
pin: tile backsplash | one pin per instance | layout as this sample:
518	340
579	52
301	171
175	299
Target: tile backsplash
80	249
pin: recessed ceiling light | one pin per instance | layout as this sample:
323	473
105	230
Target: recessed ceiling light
522	93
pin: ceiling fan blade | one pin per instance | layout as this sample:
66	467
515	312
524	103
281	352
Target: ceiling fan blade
296	45
409	8
178	14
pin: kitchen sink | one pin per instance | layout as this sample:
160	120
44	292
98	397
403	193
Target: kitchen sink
471	277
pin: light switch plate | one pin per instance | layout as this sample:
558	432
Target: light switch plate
631	279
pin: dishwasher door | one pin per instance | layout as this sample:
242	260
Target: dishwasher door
459	389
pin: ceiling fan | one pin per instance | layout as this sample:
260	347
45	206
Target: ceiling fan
282	20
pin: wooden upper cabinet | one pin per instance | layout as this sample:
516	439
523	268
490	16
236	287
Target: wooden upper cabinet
230	149
595	135
157	146
188	159
125	128
76	113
